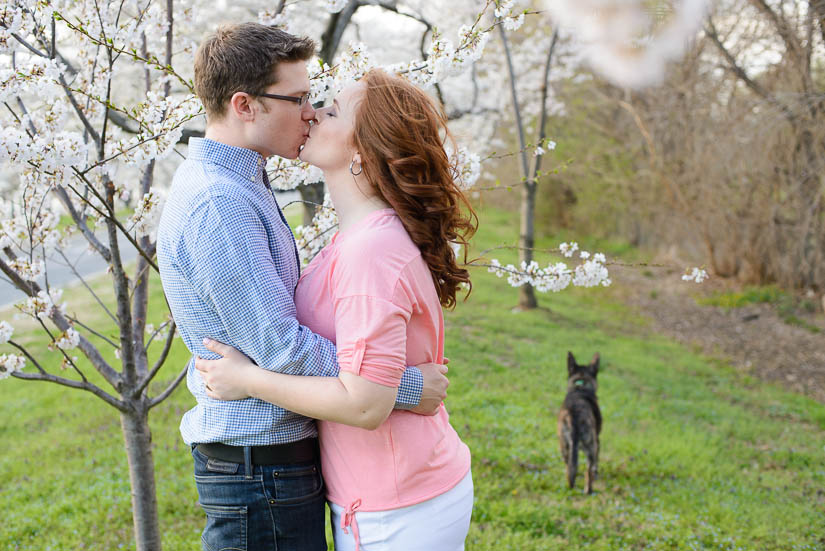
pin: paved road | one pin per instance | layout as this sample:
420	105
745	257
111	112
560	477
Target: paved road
86	262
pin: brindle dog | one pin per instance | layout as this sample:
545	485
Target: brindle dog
580	420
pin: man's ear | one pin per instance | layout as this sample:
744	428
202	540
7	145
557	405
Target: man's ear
242	107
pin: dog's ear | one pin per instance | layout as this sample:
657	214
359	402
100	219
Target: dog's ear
571	363
594	365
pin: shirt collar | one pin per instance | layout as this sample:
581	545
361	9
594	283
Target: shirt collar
248	164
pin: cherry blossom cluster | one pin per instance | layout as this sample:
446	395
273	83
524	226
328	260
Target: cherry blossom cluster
467	168
161	120
286	174
6	331
67	340
9	363
697	275
591	272
44	304
620	39
311	239
144	220
29	270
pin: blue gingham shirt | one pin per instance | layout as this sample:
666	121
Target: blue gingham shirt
229	266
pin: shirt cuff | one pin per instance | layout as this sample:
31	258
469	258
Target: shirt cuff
409	392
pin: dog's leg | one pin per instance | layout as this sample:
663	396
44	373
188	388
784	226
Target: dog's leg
572	459
568	446
592	464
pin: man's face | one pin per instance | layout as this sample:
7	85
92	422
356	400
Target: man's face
283	127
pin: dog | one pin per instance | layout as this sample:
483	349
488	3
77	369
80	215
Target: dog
580	420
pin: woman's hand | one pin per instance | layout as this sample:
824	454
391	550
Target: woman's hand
229	377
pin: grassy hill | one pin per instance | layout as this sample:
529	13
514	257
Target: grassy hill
694	455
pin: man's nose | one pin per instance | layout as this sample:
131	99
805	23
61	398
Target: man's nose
308	113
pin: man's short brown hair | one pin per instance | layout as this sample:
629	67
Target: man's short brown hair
243	58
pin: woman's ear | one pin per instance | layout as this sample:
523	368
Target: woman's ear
241	106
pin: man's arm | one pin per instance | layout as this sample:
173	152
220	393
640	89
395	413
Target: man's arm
234	271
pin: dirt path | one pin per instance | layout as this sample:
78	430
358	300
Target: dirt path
753	337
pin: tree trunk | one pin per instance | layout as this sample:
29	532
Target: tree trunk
138	439
312	195
527	295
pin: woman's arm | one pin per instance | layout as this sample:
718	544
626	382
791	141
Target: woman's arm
348	398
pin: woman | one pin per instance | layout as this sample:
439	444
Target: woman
395	480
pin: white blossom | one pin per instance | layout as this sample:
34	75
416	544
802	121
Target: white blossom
697	275
456	247
28	270
513	23
68	340
311	239
467	167
619	37
6	331
144	220
43	304
568	249
9	363
555	277
503	7
287	174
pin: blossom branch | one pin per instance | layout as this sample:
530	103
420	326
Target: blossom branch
151	60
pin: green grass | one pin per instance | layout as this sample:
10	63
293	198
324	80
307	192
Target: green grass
787	305
694	454
749	295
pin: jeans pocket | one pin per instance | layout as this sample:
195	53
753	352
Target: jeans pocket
226	528
298	484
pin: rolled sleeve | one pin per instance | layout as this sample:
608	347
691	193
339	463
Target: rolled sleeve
371	334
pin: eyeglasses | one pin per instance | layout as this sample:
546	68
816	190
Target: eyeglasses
300	100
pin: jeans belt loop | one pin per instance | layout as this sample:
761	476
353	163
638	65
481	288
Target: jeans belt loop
247	461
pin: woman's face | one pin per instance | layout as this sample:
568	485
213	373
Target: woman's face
329	146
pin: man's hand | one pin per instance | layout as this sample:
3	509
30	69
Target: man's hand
435	388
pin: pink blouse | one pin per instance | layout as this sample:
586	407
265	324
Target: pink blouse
371	292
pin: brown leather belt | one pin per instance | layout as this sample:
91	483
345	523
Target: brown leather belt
301	451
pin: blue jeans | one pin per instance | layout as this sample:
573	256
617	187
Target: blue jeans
261	508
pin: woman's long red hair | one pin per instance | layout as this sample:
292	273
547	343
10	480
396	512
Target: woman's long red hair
400	133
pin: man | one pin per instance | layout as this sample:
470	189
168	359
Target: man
229	267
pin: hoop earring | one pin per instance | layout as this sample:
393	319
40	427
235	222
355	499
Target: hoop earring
360	168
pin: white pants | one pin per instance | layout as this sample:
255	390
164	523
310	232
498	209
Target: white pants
438	524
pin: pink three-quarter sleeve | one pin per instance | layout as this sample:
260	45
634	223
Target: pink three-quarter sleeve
371	335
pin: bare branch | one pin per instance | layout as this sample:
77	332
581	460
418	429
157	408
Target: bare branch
544	91
172	386
80	222
111	217
31	288
87	386
167	346
519	124
710	31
